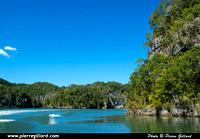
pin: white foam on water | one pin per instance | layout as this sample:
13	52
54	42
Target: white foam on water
54	115
6	120
10	112
52	121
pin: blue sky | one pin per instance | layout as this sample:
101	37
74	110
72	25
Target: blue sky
72	41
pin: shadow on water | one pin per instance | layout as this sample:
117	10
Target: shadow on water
142	124
42	119
15	127
103	119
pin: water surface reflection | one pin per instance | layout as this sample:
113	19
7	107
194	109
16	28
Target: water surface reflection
90	121
142	124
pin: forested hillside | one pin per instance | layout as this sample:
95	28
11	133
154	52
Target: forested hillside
175	27
168	81
43	94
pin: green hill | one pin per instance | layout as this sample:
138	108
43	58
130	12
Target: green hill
169	80
44	94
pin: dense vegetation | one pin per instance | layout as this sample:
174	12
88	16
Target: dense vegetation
167	83
43	94
170	78
175	26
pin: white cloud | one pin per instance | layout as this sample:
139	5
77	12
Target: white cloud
10	48
2	52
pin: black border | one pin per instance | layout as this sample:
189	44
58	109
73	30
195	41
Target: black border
107	135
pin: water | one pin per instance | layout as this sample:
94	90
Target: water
90	121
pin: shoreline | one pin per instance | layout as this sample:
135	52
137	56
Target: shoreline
140	113
163	114
55	107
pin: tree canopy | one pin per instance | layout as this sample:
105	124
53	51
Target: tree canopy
44	94
169	78
175	26
167	83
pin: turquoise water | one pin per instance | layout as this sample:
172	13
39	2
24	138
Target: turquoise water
40	120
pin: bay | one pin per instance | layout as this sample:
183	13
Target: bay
40	120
